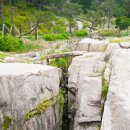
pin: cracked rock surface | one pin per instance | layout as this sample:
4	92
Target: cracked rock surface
22	87
88	74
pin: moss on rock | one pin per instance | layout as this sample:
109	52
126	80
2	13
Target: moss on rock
40	108
7	122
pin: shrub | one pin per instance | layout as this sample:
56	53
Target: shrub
104	88
111	32
2	55
8	43
124	33
53	37
81	33
11	44
62	63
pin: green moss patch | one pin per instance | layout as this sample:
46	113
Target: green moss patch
2	55
7	122
40	108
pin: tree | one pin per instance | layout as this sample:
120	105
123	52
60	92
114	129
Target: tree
122	23
127	6
94	18
71	11
108	7
1	16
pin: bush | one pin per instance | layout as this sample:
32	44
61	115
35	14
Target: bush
8	43
53	37
11	44
124	33
62	63
110	33
81	33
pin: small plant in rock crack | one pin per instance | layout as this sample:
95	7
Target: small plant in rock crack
7	122
104	88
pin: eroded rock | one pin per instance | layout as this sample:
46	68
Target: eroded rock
22	88
85	81
117	108
92	45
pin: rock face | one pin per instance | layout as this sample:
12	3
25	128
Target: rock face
23	89
80	25
117	107
92	45
99	92
85	85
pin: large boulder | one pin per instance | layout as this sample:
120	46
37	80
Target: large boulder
117	107
85	86
92	45
28	96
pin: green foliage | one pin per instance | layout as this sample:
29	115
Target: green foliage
20	20
62	63
121	11
45	103
110	32
12	44
61	100
81	33
2	55
104	88
7	122
8	43
40	108
71	10
122	23
95	20
28	47
53	37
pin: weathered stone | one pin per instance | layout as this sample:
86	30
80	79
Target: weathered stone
111	47
32	54
89	97
125	44
107	72
117	109
92	45
85	82
79	25
22	88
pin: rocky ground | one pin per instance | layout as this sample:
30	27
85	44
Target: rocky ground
98	88
35	57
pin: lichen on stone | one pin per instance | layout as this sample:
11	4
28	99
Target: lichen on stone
7	122
40	108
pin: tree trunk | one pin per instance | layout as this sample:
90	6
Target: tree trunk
70	27
1	17
109	18
20	30
0	9
90	29
103	23
36	32
66	54
119	32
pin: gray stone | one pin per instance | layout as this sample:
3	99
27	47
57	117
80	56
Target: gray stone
117	107
22	88
92	45
86	82
111	47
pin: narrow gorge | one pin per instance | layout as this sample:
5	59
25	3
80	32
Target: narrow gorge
96	91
